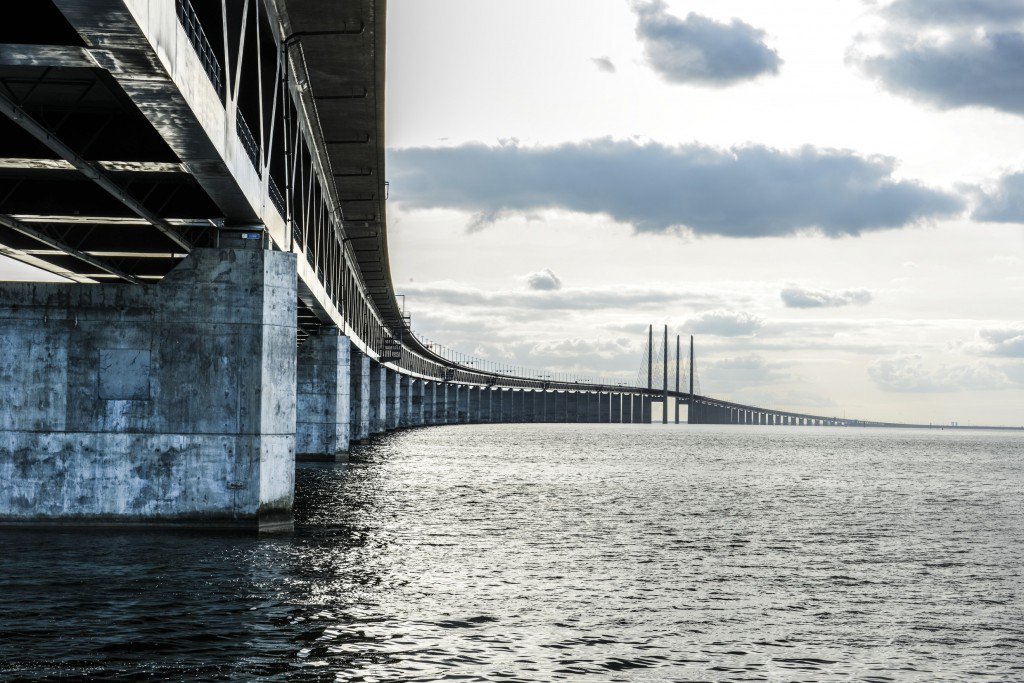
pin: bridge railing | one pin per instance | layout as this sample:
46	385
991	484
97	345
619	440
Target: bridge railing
193	29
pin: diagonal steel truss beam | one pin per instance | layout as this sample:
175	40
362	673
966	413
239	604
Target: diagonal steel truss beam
89	169
18	226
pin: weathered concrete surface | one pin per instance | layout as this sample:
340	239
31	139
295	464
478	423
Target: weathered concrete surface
441	403
429	404
572	407
646	419
393	399
474	404
485	404
359	397
616	408
451	398
529	406
378	398
171	403
407	403
323	366
462	405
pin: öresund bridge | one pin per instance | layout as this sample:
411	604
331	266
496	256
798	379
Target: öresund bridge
208	176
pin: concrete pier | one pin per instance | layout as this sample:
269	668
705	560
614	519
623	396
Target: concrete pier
378	398
393	400
616	416
172	403
359	396
451	404
405	403
462	405
322	398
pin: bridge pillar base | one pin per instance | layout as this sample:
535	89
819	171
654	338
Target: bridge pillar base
359	396
152	405
324	385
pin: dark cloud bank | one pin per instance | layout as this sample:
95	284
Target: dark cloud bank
751	191
981	63
700	50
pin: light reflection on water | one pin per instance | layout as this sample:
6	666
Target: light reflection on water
545	552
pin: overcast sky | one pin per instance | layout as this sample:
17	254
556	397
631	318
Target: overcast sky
828	194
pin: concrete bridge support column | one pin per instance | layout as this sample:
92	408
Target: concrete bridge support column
474	404
529	406
462	405
637	408
359	396
322	397
393	399
616	416
169	403
405	414
561	403
497	410
430	398
417	390
647	410
518	404
485	404
593	407
441	403
378	397
451	410
604	407
507	409
572	407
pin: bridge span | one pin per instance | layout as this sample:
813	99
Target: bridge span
208	178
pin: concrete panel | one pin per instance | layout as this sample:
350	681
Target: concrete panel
462	404
393	399
451	404
406	401
378	398
359	397
323	367
474	404
204	433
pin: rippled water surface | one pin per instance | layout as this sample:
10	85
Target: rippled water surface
576	552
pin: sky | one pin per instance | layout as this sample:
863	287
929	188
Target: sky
829	196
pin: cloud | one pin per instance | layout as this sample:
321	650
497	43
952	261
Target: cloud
909	374
952	53
723	323
804	297
1005	204
731	374
953	12
700	50
543	280
565	299
604	64
1007	342
748	191
972	70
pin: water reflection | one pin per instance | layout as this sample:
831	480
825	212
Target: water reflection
591	552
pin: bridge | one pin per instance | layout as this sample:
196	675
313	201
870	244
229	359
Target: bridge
208	177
